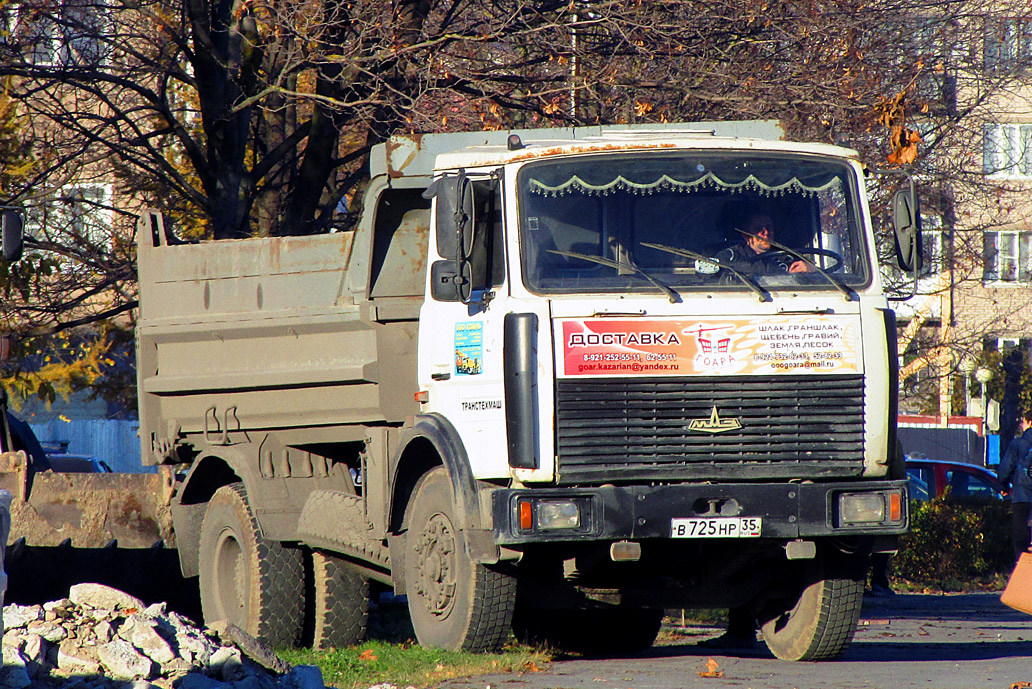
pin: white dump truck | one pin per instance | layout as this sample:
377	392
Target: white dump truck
549	382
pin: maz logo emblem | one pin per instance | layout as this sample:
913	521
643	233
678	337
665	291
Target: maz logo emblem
714	424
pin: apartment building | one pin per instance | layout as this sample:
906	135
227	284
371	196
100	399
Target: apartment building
974	294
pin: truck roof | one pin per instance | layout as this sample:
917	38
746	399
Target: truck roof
418	155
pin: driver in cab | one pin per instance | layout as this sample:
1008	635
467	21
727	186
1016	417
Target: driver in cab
755	242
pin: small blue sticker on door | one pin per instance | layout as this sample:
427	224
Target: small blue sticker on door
469	348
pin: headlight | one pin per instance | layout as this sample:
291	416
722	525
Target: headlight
549	514
870	508
558	514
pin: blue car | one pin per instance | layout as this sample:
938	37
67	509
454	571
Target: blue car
929	478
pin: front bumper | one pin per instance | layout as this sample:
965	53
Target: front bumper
787	510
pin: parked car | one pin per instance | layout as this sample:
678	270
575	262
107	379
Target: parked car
78	464
929	478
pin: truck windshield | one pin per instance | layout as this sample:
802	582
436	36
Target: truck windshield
690	220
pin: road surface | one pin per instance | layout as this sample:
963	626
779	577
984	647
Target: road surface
951	641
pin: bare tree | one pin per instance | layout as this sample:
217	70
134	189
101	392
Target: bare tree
253	116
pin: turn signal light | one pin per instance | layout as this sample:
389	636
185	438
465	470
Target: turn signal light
526	515
895	507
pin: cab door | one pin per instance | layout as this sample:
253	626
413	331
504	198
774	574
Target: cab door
462	323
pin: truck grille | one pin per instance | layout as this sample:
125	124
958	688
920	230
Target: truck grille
621	429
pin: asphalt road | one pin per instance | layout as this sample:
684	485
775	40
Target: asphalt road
952	641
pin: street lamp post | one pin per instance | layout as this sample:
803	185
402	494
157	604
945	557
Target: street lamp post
984	375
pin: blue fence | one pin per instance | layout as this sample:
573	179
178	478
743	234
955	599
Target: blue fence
115	441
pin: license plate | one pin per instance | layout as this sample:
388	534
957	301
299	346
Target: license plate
716	527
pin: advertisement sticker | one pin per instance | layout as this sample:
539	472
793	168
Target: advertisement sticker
810	345
469	348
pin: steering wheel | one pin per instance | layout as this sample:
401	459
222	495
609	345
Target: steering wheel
778	255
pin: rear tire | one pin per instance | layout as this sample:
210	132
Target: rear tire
821	622
455	603
246	579
341	602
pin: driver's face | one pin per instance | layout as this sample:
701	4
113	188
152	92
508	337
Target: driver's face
763	228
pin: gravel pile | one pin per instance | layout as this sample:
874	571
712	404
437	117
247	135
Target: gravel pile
102	638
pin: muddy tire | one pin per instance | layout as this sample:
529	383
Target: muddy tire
245	579
596	633
340	602
821	622
455	604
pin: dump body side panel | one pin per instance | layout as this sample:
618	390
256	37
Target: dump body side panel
238	337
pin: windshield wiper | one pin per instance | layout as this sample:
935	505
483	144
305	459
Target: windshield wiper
747	281
619	266
837	284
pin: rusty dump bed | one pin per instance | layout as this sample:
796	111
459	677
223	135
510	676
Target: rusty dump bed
87	510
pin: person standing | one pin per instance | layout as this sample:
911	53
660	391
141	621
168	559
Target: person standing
1014	476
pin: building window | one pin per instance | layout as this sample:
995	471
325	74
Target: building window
1007	257
87	215
79	216
1008	43
1007	150
65	34
931	250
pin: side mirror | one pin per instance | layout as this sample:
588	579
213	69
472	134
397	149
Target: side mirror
451	279
454	214
446	191
11	234
906	221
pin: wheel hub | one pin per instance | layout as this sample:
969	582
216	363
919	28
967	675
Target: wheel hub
436	551
230	578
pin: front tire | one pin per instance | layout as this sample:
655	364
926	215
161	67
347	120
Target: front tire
820	623
246	579
455	604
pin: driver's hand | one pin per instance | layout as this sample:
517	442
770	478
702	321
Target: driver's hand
799	267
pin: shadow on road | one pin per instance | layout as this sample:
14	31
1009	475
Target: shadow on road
913	628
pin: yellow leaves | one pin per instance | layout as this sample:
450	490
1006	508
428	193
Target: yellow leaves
712	669
367	655
642	107
73	364
903	141
553	106
904	146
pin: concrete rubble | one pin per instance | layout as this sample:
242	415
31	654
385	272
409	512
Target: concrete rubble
102	638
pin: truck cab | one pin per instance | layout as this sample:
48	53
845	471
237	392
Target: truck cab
681	422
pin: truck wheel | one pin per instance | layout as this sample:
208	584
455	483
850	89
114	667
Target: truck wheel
245	579
455	604
595	632
341	602
820	624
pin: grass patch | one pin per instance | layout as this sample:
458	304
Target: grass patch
390	654
409	664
